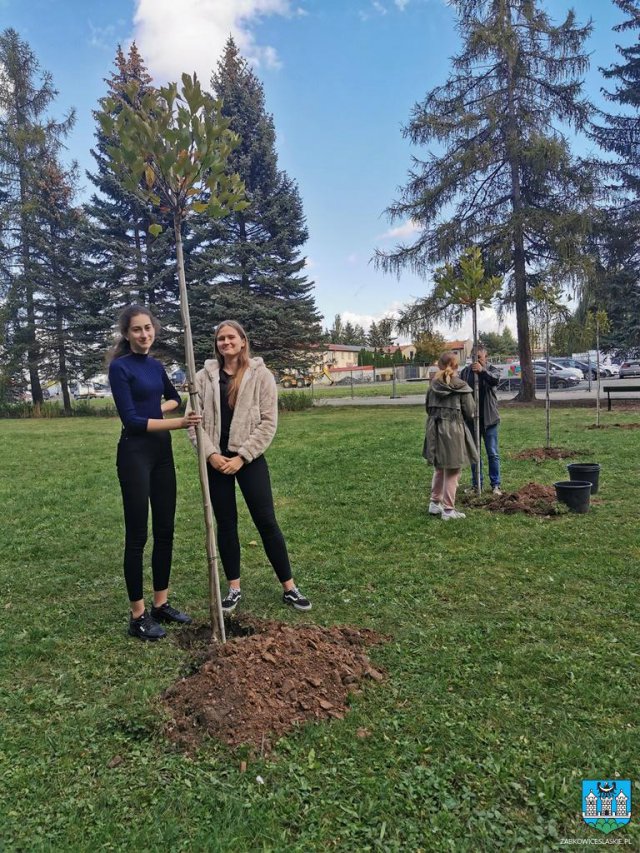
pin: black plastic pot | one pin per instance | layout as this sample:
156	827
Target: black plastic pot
574	493
587	472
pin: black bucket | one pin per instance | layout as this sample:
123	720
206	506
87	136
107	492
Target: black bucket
588	472
574	493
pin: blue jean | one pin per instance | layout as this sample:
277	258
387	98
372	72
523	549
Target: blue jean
490	437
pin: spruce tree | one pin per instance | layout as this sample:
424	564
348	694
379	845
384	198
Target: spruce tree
249	265
336	332
128	263
63	286
502	176
618	285
28	138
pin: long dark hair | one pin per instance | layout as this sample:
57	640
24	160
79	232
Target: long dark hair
243	358
121	346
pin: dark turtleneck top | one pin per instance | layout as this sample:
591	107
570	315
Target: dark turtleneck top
138	384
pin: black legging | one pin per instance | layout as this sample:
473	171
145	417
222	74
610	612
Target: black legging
255	485
147	475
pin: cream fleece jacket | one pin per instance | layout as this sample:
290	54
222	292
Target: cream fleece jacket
255	416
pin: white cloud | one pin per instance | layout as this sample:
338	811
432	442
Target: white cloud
409	228
104	38
401	4
487	322
365	320
190	35
375	7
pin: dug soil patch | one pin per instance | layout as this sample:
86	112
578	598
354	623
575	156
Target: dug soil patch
532	499
267	679
614	426
541	454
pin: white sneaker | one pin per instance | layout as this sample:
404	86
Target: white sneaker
435	508
451	513
496	490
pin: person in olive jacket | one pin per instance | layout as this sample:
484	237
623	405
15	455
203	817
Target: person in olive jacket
448	444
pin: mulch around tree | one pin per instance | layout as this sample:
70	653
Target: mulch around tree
541	454
266	680
532	499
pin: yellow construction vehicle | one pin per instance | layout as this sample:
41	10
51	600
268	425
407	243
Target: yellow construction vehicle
295	379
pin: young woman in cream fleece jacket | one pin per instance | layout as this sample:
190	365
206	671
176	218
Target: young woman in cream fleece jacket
239	404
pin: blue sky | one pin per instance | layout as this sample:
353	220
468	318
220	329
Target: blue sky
340	79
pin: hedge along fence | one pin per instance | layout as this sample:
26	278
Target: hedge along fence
55	410
294	401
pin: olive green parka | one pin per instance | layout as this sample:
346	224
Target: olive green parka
448	442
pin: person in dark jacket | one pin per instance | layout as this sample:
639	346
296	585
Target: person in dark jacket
448	443
488	380
145	466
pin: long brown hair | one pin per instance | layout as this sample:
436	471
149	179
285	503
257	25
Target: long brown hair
448	364
121	346
243	358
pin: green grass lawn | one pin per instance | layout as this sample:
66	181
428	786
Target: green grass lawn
369	389
513	658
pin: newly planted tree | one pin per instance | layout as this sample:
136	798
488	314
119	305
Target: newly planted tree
548	309
597	323
459	287
172	150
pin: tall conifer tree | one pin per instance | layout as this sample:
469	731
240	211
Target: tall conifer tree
618	288
128	263
249	265
63	286
28	138
504	177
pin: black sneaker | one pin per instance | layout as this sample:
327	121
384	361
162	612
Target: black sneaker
167	613
146	628
231	599
296	599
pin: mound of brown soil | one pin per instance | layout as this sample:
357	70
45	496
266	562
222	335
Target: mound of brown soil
255	688
541	454
532	499
614	426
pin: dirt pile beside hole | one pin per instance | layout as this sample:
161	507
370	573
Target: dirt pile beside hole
265	680
532	499
541	454
615	426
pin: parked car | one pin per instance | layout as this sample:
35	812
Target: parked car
612	369
556	380
555	365
101	390
630	368
83	391
584	366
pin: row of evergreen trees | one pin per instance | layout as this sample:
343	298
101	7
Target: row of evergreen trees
66	269
501	176
379	335
500	173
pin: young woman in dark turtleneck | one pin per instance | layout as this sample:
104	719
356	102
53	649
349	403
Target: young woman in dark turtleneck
145	466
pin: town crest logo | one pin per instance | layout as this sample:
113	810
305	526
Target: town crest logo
606	805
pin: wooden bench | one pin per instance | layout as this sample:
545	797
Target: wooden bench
618	389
